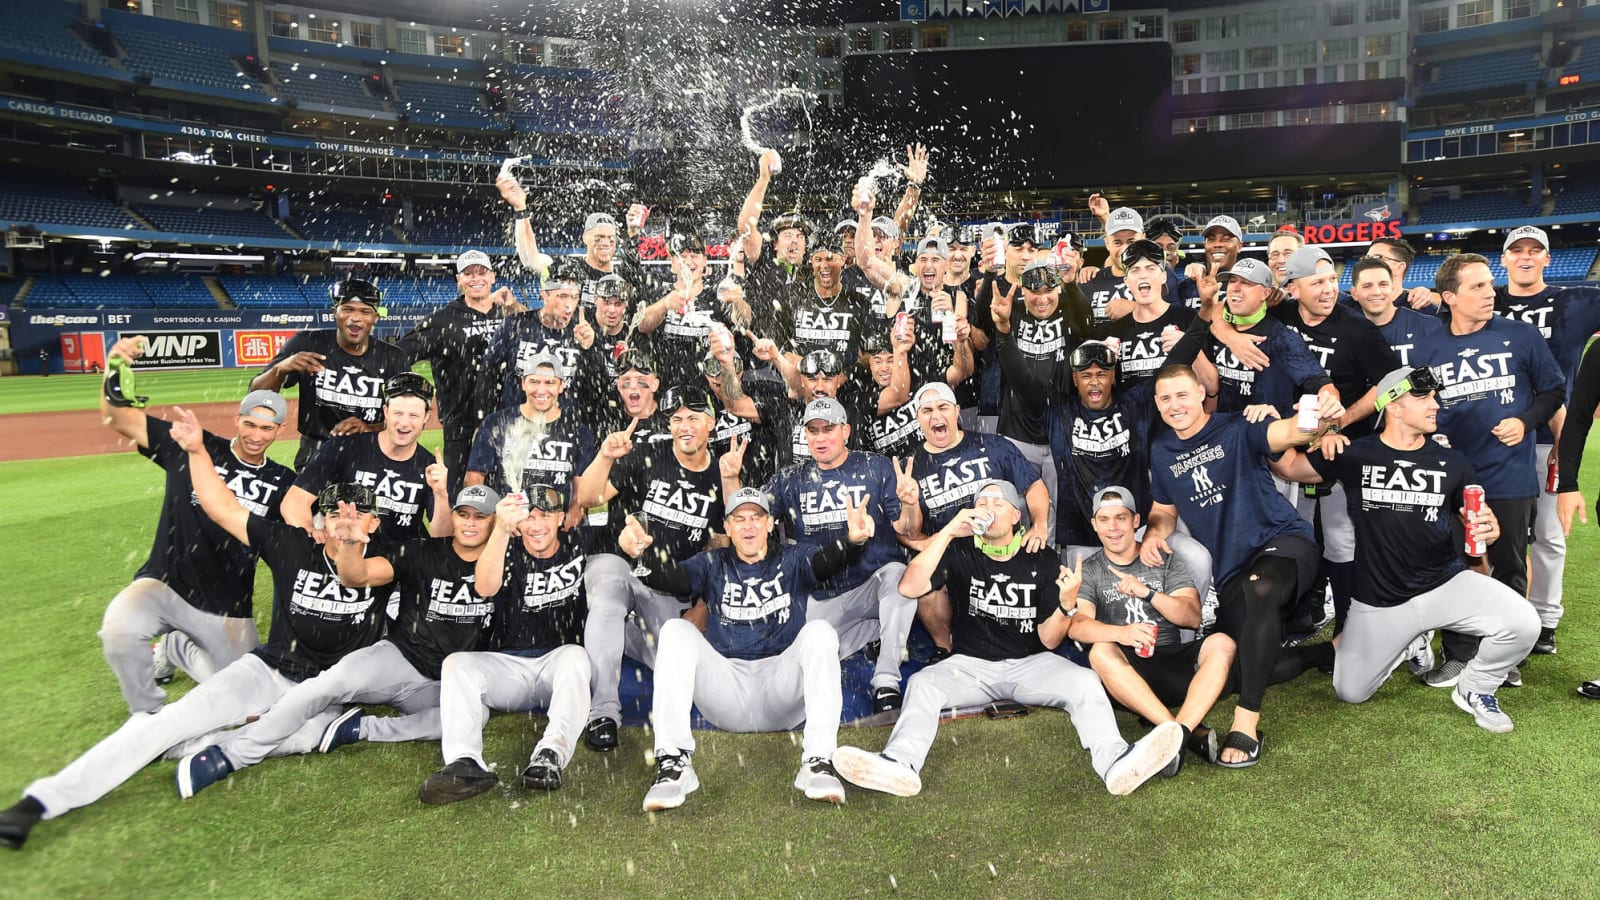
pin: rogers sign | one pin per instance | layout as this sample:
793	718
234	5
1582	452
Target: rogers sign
1352	232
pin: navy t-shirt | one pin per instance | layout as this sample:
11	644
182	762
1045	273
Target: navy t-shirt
1142	354
812	504
998	605
680	508
542	603
753	610
522	336
348	385
1403	504
1490	375
1219	481
193	555
1293	370
553	453
1105	286
1094	449
1406	329
947	480
315	619
401	486
1350	349
1566	317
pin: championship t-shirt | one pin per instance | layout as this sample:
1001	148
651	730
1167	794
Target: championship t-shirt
679	343
1095	449
835	324
679	507
316	620
1116	608
1142	354
1219	481
440	613
348	385
1566	317
552	453
1293	371
1403	504
523	336
997	605
1488	376
813	504
947	480
768	449
455	341
1104	287
1033	360
753	610
1350	349
543	603
193	555
401	486
1406	329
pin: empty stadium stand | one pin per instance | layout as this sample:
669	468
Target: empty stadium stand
34	204
308	82
344	227
189	55
441	103
1476	207
280	291
1501	68
219	223
42	29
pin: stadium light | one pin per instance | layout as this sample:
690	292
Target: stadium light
202	257
369	260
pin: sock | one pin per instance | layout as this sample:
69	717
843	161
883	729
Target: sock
28	806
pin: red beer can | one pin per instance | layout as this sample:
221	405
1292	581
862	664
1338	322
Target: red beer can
1550	478
1148	650
1472	501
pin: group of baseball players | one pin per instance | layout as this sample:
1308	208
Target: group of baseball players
1031	482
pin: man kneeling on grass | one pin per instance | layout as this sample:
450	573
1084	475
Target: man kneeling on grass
1006	623
1132	614
760	666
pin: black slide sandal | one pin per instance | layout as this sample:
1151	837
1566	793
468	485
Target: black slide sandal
1238	740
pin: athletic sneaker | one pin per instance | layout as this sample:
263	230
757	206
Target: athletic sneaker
819	781
1485	710
885	699
877	772
1419	656
1513	677
17	820
164	669
543	772
1148	755
675	781
457	781
202	769
600	735
1546	644
344	730
1445	674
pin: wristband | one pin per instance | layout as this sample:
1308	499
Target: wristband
521	214
1150	596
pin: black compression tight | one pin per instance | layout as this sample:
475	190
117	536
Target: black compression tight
1252	607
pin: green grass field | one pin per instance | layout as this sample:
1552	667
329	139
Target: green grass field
59	393
1401	796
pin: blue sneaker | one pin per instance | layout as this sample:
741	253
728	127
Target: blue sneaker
1485	710
344	730
202	769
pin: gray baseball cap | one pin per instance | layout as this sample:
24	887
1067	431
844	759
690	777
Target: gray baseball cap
827	409
544	359
1251	270
933	392
477	497
1303	262
473	258
845	225
1115	495
270	399
1226	223
887	226
599	220
1124	219
1530	232
1005	490
750	495
934	246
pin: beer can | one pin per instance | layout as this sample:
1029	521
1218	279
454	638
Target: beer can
997	230
1148	650
1550	477
1472	501
902	326
947	331
1306	414
1115	343
721	338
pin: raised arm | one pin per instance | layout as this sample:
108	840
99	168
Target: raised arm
750	213
354	567
916	172
594	486
917	579
216	501
118	409
489	575
441	524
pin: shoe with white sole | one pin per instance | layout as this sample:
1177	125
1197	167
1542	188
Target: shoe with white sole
876	772
819	781
1485	710
675	781
1148	756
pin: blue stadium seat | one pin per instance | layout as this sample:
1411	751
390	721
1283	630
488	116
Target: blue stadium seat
1583	198
111	291
178	292
1483	70
1585	60
220	223
1476	207
40	204
40	28
310	82
342	226
275	291
161	49
436	102
446	224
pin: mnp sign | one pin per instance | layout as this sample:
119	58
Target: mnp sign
180	349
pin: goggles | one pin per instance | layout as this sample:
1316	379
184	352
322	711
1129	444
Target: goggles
1420	383
346	492
1143	251
545	498
1041	278
408	384
1092	353
821	362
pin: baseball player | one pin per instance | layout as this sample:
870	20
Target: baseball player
196	587
536	658
344	368
668	496
438	615
315	622
548	329
1007	622
534	443
408	481
863	602
1584	405
760	665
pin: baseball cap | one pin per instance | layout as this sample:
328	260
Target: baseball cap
691	398
966	235
329	498
477	497
690	241
754	496
473	258
827	409
1226	223
1124	219
845	225
934	246
1005	490
886	226
407	384
1040	275
792	220
610	286
1418	382
354	290
564	274
1303	262
933	392
544	359
1530	232
1114	495
1252	270
599	220
270	399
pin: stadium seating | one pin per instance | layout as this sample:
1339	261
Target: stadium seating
1583	198
161	49
456	226
178	292
345	227
1484	70
307	82
219	223
110	291
1476	207
564	113
433	102
41	29
34	204
1585	61
277	291
1569	264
